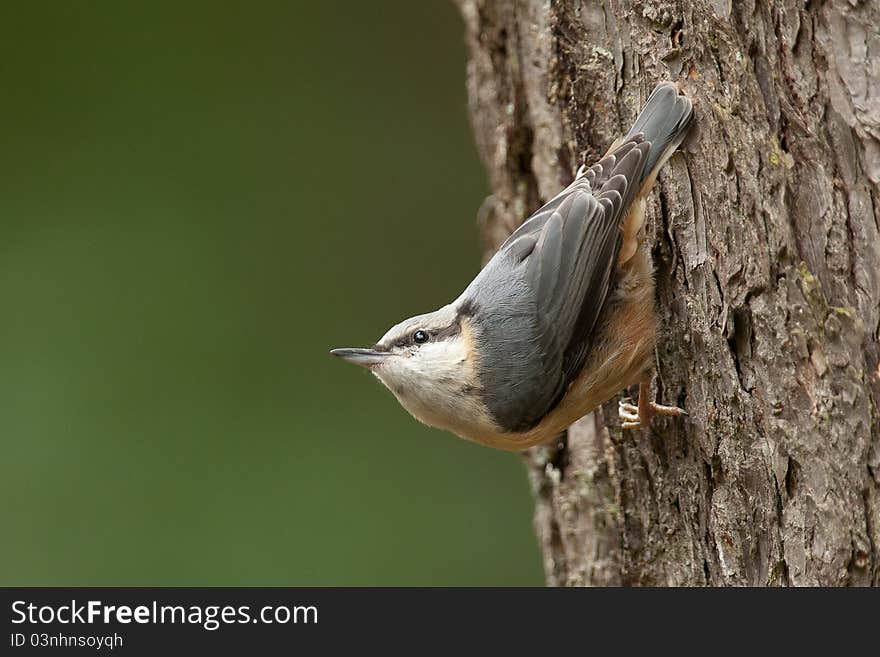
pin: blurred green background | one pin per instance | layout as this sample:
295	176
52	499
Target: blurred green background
197	202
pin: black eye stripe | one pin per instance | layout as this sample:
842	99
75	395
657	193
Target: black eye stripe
447	332
435	335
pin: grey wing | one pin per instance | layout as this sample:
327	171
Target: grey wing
559	266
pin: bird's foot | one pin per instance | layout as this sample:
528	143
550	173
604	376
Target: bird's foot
636	417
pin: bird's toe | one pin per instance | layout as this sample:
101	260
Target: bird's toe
673	411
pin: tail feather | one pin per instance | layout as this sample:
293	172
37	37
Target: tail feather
664	122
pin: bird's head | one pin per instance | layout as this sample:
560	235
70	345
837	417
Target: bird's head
430	363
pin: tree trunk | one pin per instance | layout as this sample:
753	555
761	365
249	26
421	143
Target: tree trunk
767	255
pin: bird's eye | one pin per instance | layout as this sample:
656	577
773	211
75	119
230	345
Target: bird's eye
420	337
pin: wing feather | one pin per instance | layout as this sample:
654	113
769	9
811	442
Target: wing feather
553	276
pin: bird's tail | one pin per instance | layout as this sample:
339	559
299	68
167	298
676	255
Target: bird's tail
664	121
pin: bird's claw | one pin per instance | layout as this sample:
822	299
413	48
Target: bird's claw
673	411
636	417
629	415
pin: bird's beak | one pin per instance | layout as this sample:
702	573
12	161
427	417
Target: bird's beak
362	357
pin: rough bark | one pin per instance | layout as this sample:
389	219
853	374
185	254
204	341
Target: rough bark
767	251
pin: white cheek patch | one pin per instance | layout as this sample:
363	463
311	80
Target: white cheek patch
429	384
443	354
432	369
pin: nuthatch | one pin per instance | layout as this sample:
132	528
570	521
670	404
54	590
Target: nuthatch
559	320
